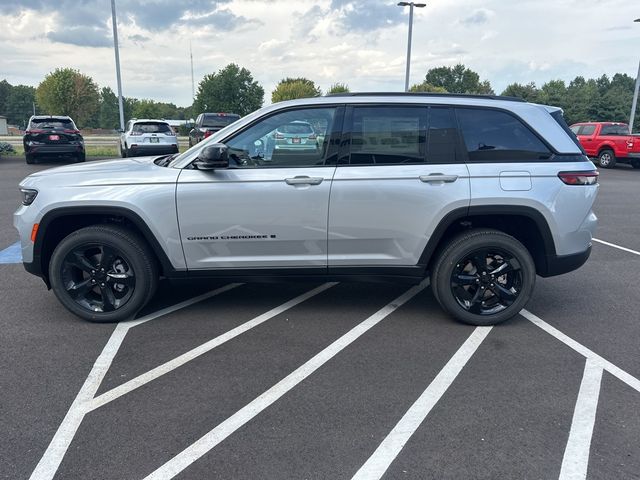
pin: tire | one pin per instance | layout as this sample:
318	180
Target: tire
190	143
476	299
80	157
123	151
76	266
606	159
30	159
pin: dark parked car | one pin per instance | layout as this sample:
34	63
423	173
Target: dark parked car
48	135
208	123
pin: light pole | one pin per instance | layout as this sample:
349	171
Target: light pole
410	5
115	46
635	95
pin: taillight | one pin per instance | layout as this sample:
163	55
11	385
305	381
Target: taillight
207	133
279	136
579	178
71	131
35	130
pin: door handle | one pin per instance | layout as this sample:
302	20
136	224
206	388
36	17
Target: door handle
438	177
304	180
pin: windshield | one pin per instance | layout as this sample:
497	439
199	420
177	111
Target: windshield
52	123
151	127
218	120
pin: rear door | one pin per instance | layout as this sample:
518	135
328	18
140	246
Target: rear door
400	173
269	209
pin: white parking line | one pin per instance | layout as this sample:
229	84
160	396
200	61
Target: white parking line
576	454
192	453
167	367
53	455
627	378
394	442
616	246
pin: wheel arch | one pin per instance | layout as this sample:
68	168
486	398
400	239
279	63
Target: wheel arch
60	222
526	224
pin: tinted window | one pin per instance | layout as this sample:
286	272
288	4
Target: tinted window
443	136
575	128
151	127
588	130
263	144
218	120
614	130
388	135
492	135
52	123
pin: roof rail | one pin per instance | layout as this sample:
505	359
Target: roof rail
424	94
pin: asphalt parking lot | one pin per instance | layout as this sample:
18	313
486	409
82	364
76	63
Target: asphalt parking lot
328	381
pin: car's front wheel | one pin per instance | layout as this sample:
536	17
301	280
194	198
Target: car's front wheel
103	273
483	277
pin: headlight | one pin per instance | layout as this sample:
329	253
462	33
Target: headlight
28	195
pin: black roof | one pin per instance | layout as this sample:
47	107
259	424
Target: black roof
424	94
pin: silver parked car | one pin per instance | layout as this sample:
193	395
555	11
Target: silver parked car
479	193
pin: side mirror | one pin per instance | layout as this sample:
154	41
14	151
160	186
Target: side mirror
212	157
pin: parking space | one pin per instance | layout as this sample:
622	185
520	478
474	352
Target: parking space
328	381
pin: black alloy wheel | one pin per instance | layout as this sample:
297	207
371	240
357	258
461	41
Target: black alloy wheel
486	281
483	277
98	277
103	273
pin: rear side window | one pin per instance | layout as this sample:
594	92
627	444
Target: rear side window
587	130
151	127
495	136
388	135
615	130
443	136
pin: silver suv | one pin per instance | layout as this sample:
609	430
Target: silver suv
478	193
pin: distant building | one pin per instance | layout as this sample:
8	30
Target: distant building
3	125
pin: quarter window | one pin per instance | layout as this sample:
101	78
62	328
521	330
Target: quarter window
495	136
295	138
388	135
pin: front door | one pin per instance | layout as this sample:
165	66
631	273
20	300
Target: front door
269	209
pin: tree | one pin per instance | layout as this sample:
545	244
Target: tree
232	90
109	113
66	91
339	88
292	88
554	92
426	87
20	104
528	92
458	79
5	91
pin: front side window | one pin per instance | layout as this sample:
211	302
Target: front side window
575	128
494	136
295	138
388	135
588	130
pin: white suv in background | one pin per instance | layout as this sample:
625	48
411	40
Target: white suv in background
147	137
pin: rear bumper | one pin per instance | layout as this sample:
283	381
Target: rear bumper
158	149
53	149
559	264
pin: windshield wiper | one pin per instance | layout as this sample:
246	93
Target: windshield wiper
165	160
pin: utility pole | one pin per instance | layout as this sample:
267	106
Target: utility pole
115	46
193	90
410	5
634	104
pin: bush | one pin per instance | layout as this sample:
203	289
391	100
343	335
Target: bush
6	149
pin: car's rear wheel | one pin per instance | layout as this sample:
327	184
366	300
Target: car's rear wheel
607	159
103	273
483	277
30	159
80	157
123	151
635	164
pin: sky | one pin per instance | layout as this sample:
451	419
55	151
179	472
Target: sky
361	43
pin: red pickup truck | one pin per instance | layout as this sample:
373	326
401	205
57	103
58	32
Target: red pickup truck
609	142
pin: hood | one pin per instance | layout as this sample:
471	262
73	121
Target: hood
126	171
